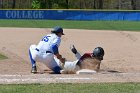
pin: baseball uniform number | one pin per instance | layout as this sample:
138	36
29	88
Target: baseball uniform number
46	38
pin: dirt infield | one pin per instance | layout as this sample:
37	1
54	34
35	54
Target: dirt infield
121	62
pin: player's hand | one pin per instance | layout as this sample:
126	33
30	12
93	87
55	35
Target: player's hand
63	60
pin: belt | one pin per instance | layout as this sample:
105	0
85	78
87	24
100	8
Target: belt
46	51
36	49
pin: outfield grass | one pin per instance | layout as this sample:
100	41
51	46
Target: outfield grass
96	25
72	88
3	57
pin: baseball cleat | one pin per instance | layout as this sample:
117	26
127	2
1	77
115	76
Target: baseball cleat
34	70
73	49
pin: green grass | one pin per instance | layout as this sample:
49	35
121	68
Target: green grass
3	57
96	25
72	88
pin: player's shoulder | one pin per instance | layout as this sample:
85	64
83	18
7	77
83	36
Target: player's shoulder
88	54
54	36
51	35
85	55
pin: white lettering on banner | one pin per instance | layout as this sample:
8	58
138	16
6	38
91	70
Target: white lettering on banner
24	14
7	14
30	15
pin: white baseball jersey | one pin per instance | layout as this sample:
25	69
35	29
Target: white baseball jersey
47	42
45	50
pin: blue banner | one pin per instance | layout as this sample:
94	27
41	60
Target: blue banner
70	15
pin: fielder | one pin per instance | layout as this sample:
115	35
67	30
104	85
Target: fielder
90	61
47	51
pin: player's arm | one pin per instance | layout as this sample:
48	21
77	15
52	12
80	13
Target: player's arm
60	57
56	53
98	67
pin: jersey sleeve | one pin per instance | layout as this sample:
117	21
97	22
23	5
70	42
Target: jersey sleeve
55	46
86	55
57	41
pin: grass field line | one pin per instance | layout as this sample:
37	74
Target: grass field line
40	78
71	78
72	24
37	80
50	78
123	32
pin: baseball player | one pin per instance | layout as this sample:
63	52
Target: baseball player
90	61
47	51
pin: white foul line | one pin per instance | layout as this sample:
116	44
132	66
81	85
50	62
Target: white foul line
74	78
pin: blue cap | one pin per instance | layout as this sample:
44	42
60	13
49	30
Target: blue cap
58	29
